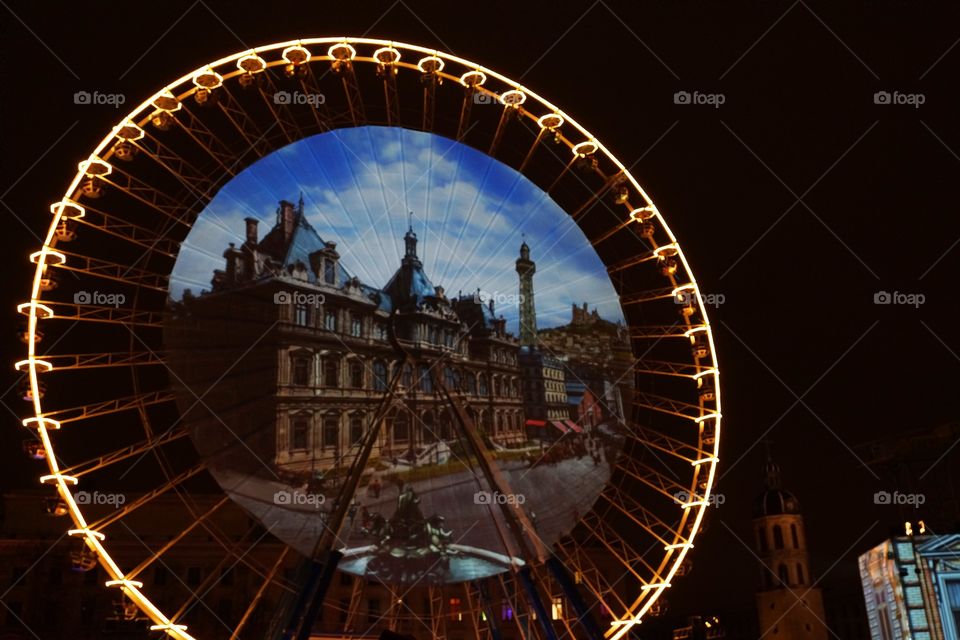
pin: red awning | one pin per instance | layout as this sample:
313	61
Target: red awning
573	425
559	425
536	423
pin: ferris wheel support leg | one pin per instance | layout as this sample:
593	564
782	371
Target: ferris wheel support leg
534	597
561	575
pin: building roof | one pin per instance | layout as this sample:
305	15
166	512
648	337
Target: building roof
774	501
297	249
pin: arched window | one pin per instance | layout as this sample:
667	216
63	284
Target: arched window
331	372
496	386
482	383
800	579
777	537
793	534
356	374
783	575
407	377
762	539
331	430
379	376
300	432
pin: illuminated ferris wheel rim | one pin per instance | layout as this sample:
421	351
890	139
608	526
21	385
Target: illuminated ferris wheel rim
473	76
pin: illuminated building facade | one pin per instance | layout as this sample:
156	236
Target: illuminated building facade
325	335
911	586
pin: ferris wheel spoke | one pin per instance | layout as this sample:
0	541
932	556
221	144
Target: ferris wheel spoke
241	548
342	65
132	317
661	293
254	139
595	580
611	541
279	110
195	522
107	270
84	361
386	58
133	137
137	189
261	590
174	110
310	86
146	498
659	332
114	457
668	406
609	182
507	114
106	407
135	234
641	517
655	439
672	369
655	480
430	78
641	258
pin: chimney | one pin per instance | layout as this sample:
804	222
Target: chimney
286	218
251	230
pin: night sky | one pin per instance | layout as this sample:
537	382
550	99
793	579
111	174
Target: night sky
798	199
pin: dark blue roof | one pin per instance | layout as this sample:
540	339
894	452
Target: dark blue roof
306	240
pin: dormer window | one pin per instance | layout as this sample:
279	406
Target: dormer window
329	271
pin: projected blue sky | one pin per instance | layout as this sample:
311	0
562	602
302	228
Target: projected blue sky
469	212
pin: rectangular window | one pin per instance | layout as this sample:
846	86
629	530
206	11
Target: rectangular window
330	321
373	609
300	433
356	326
331	430
330	271
356	428
301	315
301	372
331	373
356	374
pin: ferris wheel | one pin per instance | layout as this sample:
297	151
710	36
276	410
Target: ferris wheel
105	373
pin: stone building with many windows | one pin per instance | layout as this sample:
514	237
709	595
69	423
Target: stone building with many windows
327	335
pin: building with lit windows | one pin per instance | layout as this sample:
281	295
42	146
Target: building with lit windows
911	586
324	356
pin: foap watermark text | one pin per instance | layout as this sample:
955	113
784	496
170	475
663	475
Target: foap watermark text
99	298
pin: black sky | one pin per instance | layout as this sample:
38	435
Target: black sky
797	199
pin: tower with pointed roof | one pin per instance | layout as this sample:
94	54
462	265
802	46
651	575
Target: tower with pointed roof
528	315
789	606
